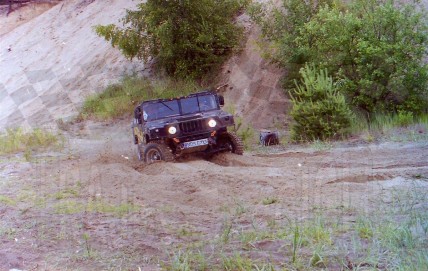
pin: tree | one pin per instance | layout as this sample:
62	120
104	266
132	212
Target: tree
187	37
376	50
281	26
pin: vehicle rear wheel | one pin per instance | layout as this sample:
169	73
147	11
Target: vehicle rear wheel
154	152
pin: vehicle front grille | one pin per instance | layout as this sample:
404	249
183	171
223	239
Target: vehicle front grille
193	126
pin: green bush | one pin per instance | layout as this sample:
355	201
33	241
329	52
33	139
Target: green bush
375	49
188	38
319	110
404	118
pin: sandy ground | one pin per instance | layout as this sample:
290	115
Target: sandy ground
44	227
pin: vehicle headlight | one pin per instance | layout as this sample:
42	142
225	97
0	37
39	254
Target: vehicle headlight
212	123
172	130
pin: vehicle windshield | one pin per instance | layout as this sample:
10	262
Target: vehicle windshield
200	103
163	109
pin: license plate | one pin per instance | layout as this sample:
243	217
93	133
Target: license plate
196	143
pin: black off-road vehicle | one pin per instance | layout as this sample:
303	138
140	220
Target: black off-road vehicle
165	129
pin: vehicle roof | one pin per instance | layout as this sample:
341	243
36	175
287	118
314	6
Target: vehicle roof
204	92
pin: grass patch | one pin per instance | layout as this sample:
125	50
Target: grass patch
16	140
119	210
120	99
317	231
8	232
226	231
364	228
269	200
66	193
97	206
318	259
237	262
249	237
69	207
27	195
188	260
7	201
320	145
402	126
187	231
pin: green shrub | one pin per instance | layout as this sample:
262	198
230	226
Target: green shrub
319	110
188	38
247	133
404	118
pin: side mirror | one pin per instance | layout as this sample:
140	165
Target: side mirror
221	100
138	115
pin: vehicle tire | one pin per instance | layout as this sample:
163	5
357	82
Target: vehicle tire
154	152
235	143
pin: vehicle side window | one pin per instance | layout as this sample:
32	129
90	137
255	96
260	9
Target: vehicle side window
149	112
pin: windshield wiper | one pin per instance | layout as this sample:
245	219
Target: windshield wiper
166	105
197	99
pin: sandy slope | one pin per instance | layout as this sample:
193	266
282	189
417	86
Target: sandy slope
51	62
254	90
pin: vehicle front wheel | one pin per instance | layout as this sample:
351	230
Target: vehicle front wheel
233	143
154	152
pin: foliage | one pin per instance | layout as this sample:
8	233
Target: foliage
280	31
121	98
188	38
16	140
319	110
374	49
246	134
404	118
